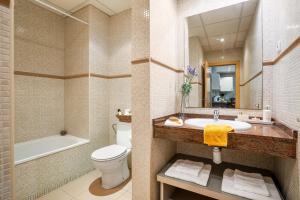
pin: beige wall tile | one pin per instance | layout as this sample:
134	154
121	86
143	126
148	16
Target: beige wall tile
77	43
77	107
119	98
39	39
6	189
140	29
141	131
153	94
39	107
99	108
279	20
120	43
98	41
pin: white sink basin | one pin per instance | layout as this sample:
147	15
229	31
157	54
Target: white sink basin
201	123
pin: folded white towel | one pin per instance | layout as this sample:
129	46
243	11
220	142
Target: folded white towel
173	124
189	167
250	182
201	179
228	182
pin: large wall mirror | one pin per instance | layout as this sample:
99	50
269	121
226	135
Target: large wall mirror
225	45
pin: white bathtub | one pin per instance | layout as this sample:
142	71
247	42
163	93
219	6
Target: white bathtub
33	149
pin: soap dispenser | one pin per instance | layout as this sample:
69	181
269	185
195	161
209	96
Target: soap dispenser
267	114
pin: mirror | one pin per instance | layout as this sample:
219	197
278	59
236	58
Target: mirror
225	46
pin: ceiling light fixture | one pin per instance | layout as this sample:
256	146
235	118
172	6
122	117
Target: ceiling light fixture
221	39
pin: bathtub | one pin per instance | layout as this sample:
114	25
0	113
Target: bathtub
33	149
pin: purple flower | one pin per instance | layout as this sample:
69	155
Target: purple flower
191	71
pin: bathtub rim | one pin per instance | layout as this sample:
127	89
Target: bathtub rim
82	141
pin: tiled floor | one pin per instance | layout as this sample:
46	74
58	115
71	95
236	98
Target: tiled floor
79	190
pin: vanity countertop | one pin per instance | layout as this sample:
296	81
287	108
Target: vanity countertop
276	139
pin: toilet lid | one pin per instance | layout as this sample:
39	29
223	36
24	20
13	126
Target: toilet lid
109	152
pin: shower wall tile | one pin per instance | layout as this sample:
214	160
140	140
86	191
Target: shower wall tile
98	41
39	48
119	98
99	108
76	60
5	107
120	43
39	39
32	57
39	107
119	63
76	108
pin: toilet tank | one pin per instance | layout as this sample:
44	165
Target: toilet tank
124	134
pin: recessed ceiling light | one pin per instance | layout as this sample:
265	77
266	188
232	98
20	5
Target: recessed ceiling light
221	39
222	57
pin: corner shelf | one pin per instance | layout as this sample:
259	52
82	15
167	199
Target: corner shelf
124	118
213	188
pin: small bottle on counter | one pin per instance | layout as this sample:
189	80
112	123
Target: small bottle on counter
267	114
119	112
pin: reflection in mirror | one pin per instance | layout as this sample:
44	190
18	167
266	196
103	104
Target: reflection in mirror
226	46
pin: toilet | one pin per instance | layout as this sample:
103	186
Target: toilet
112	160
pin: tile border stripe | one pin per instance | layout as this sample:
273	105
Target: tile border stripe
150	59
110	76
198	83
76	76
293	45
38	75
252	78
67	77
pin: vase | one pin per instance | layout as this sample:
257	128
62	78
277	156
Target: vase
183	105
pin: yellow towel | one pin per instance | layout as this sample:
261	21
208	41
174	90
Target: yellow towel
216	135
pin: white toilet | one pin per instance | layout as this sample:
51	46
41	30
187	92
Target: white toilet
112	160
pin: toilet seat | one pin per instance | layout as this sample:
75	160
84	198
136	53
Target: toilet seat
110	152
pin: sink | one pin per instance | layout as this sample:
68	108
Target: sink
201	123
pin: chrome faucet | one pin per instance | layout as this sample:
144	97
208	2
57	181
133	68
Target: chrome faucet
216	115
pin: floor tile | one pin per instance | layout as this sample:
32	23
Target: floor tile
56	195
79	190
88	196
81	184
126	196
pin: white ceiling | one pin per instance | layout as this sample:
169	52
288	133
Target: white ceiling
231	23
110	7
